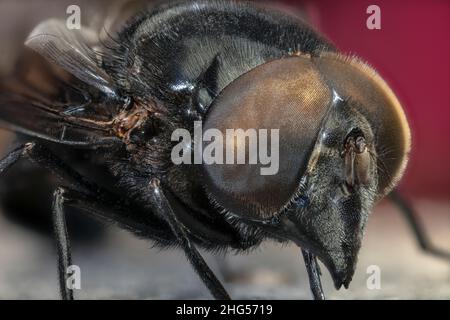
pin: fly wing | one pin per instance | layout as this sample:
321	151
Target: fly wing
48	126
52	109
71	50
59	92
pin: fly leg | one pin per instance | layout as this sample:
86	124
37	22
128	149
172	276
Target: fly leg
314	274
160	205
105	207
87	196
62	244
43	157
416	226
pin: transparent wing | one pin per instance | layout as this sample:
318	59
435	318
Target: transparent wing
43	100
71	50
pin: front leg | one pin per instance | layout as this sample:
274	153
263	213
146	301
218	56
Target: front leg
312	266
160	205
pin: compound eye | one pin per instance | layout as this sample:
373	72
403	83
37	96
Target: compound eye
287	96
357	160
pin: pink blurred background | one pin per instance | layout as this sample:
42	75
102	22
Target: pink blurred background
412	52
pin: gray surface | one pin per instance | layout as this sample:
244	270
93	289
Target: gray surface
122	266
